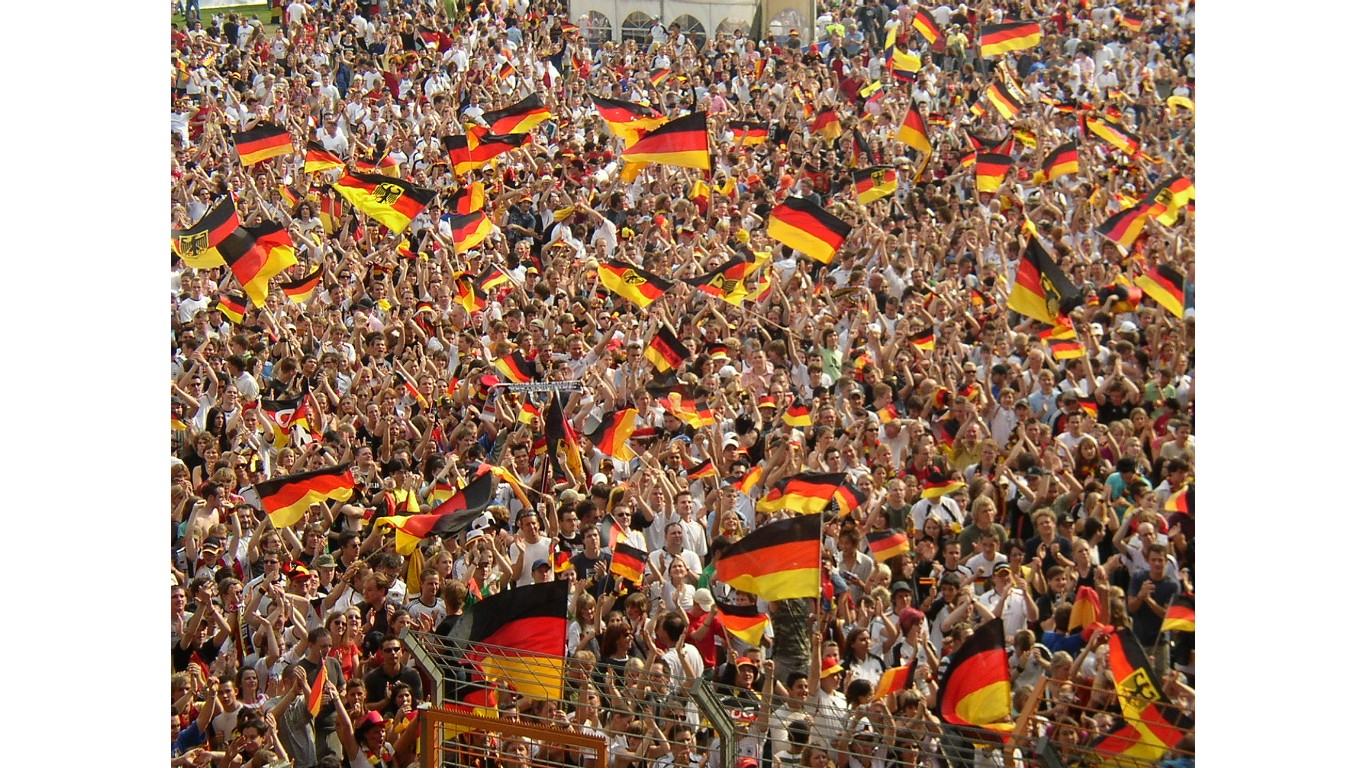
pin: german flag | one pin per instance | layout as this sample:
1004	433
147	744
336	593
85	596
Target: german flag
485	145
263	142
317	158
827	124
518	118
1026	137
560	435
516	368
976	688
506	70
452	518
1154	724
329	209
632	283
528	413
287	498
887	414
797	416
1061	162
903	65
469	199
913	132
1180	615
1041	290
804	226
748	134
923	339
681	143
806	493
1182	501
615	430
848	498
1000	39
233	306
441	491
658	76
520	634
282	415
694	413
779	561
895	680
458	151
1168	198
885	545
665	351
701	470
1005	103
726	282
1166	287
1131	21
992	170
492	277
392	202
469	230
1111	133
750	480
924	24
743	621
300	290
1085	610
628	562
1066	349
940	485
257	254
198	245
1088	405
874	183
469	298
315	691
1124	227
627	119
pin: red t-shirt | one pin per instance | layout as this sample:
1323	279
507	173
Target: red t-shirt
707	646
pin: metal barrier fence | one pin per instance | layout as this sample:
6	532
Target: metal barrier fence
643	710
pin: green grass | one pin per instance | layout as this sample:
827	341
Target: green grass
261	12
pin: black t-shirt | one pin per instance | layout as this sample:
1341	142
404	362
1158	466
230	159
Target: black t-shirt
377	681
180	657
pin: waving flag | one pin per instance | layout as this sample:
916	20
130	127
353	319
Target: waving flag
198	245
779	561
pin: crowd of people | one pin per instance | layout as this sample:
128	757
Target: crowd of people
1051	474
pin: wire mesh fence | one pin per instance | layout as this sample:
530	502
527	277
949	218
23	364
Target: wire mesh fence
641	715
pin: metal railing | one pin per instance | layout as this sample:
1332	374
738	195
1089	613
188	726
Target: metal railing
602	703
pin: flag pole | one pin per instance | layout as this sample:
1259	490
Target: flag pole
1153	651
1022	722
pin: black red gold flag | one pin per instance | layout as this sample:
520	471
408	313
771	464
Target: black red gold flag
198	245
262	142
778	561
804	226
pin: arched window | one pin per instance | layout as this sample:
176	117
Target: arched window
692	29
598	30
728	27
789	19
637	27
